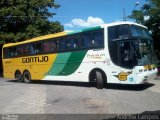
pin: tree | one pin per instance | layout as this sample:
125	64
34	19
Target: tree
149	15
24	19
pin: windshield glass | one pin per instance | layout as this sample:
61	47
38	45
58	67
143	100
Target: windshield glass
139	31
130	45
119	32
143	53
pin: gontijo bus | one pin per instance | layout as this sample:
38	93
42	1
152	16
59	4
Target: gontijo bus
120	52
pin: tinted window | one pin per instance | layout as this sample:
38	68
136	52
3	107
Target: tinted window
26	49
39	47
69	43
36	48
20	50
50	46
113	51
74	42
13	52
118	32
32	48
79	41
86	40
123	31
6	52
126	56
139	31
62	44
112	33
97	39
113	44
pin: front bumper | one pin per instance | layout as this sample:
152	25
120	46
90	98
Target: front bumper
146	76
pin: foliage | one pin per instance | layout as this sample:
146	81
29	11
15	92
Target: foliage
24	19
149	15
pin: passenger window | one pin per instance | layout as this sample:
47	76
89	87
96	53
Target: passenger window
97	39
6	52
26	49
86	40
50	46
53	46
46	46
36	48
73	43
12	52
39	48
32	48
20	50
62	45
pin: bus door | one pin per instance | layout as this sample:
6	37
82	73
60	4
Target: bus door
125	59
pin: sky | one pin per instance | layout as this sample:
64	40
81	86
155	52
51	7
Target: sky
78	14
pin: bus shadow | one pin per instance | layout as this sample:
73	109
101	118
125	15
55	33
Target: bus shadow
139	87
64	83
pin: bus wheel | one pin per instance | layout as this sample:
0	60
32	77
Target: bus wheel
99	80
27	77
18	76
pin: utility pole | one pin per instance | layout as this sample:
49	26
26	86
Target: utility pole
124	15
124	11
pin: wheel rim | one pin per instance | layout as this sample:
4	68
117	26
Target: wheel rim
99	80
27	77
18	75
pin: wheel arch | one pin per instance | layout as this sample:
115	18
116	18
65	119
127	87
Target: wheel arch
92	72
25	71
17	72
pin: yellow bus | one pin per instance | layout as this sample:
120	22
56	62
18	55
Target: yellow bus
120	52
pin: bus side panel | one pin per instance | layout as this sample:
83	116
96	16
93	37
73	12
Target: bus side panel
37	67
78	66
67	63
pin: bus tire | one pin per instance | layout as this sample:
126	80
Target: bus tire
99	80
27	77
18	76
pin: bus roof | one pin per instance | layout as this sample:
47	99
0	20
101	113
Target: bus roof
55	35
121	23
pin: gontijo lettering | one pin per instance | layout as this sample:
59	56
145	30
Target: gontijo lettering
35	59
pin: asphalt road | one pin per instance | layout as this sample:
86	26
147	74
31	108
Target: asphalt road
77	98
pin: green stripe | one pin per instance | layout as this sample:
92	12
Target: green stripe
74	32
84	30
59	63
92	28
67	63
73	63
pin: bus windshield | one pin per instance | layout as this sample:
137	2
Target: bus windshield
142	52
139	31
143	46
133	45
